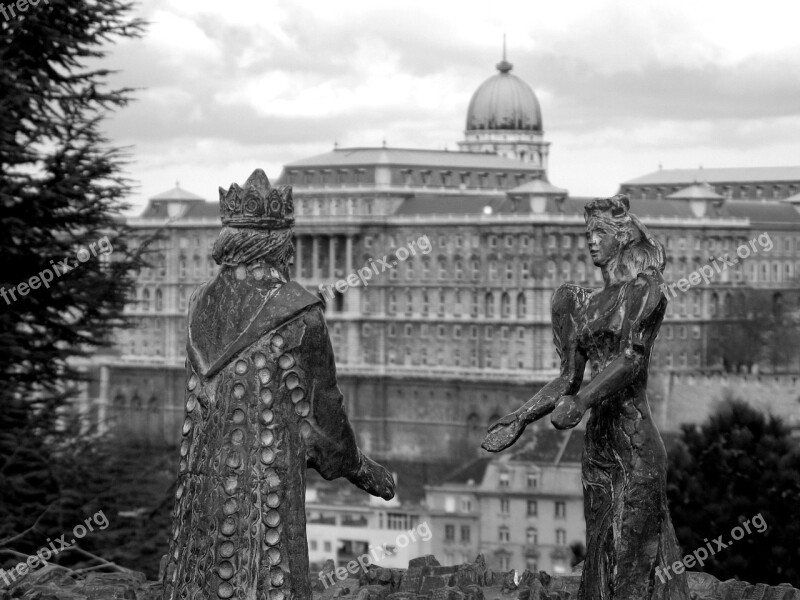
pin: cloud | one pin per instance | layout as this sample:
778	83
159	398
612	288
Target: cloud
277	77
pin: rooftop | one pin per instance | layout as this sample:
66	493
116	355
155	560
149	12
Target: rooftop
410	157
726	175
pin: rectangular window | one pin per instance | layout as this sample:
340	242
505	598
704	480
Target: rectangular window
533	508
450	533
561	510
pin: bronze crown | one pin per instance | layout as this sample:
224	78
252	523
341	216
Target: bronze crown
257	205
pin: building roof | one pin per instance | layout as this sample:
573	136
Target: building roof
771	214
177	193
732	175
696	191
409	157
549	446
473	471
537	186
504	102
453	205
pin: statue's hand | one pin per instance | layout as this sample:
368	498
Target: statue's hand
503	433
374	479
568	412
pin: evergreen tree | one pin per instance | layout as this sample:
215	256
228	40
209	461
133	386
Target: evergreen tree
67	270
735	467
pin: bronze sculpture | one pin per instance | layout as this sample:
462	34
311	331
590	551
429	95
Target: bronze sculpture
262	404
629	531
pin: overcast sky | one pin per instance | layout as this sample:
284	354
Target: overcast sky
226	87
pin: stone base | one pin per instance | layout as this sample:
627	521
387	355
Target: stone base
425	579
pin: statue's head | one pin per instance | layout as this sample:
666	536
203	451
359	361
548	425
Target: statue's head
258	224
616	236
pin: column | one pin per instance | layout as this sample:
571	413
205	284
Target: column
315	275
298	258
332	258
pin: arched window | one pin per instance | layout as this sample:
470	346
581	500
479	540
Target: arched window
424	302
522	306
531	536
489	306
474	307
159	300
493	270
503	533
551	271
505	305
459	268
146	300
409	302
714	305
442	268
476	269
566	270
473	422
198	267
580	271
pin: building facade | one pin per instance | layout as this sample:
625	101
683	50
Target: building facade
463	251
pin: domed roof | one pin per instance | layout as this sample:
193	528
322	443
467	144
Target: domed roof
504	101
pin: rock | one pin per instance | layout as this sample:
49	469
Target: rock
473	592
447	593
434	582
429	560
509	581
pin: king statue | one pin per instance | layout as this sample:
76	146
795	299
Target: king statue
262	404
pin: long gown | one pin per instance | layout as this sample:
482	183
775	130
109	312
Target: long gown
262	403
629	531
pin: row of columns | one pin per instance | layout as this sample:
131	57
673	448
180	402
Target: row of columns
318	274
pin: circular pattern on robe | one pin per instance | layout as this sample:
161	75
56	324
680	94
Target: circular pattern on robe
226	549
292	381
305	429
230	506
238	391
297	395
228	526
234	461
238	416
273	518
225	590
183	465
231	483
184	447
276	577
192	383
259	360
273	500
241	367
191	403
241	272
277	341
266	397
303	409
267	416
264	376
187	426
179	492
272	478
258	273
276	595
267	456
274	556
225	570
286	361
237	436
267	437
272	537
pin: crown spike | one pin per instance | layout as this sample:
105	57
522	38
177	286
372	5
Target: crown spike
257	205
259	181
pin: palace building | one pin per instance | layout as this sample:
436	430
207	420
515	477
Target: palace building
442	340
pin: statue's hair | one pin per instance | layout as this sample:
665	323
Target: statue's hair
640	251
236	246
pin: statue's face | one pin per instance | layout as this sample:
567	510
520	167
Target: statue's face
603	243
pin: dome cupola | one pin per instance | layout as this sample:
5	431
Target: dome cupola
504	102
504	118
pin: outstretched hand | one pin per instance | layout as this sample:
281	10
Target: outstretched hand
374	479
568	412
503	433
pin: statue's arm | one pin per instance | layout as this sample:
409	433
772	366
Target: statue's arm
507	430
642	320
331	447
